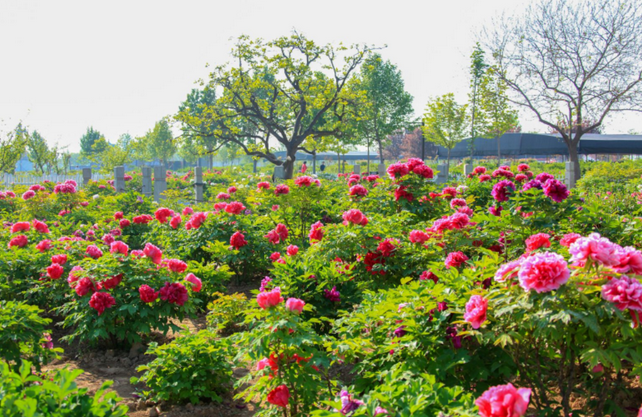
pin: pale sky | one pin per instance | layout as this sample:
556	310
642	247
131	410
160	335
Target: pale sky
120	66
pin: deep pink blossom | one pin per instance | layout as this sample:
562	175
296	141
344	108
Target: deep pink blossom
295	305
569	238
147	293
502	190
624	293
316	233
237	240
175	293
282	189
40	227
353	216
194	281
594	248
100	301
503	401
93	251
555	190
543	272
418	236
537	241
20	227
235	207
162	214
270	298
629	260
175	221
455	259
358	190
153	252
292	250
476	311
55	271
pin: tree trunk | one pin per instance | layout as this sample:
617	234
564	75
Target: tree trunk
573	157
379	144
289	164
368	156
339	163
211	162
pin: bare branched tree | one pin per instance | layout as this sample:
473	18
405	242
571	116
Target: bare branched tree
570	62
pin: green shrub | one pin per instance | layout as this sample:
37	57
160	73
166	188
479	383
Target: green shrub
193	367
226	312
54	394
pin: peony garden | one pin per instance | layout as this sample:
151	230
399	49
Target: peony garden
500	293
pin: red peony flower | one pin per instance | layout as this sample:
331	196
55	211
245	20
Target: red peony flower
123	223
537	241
59	259
119	247
282	189
40	226
162	214
235	208
223	196
118	215
174	293
292	250
358	190
43	245
176	265
263	185
455	259
426	275
418	236
93	251
303	181
153	253
20	227
83	286
176	221
353	216
147	293
279	396
237	240
54	271
101	301
316	232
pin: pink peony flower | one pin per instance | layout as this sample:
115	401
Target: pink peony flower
274	256
316	233
108	239
176	265
476	311
119	247
153	253
279	396
235	208
358	190
174	293
263	185
397	170
54	271
537	241
123	223
543	272
418	236
223	196
292	250
282	231
176	221
484	178
237	240
147	293
59	259
162	214
458	202
428	275
508	271
20	227
523	167
569	238
187	211
503	401
269	299
495	211
232	189
295	305
455	259
479	170
624	293
423	171
101	301
629	260
29	194
353	216
304	181
43	245
594	248
194	281
93	251
40	226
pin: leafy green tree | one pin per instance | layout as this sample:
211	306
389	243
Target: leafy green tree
109	155
198	133
159	142
445	122
388	106
280	91
87	142
12	146
38	151
477	71
496	109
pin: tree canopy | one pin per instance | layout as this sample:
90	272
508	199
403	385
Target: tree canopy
444	122
283	90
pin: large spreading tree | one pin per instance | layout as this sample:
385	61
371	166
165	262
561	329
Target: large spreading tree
569	62
281	90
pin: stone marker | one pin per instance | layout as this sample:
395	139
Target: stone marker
160	183
198	184
570	181
119	179
147	181
279	174
381	170
87	175
443	175
357	169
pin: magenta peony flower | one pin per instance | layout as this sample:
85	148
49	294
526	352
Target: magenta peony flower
501	190
358	190
147	293
175	221
332	295
544	177
484	178
43	245
174	293
629	260
263	185
423	171
523	167
101	301
503	401
162	214
108	239
455	259
232	189
282	189
282	231
59	259
418	236
555	190
123	223
93	251
624	293
153	253
195	281
273	237
426	275
569	238
235	208
532	184
304	181
397	170
269	299
28	195
543	272
476	311
40	226
83	286
594	248
353	216
187	211
508	271
223	196
295	305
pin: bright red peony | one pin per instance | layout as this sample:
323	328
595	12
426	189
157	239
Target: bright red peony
101	301
174	293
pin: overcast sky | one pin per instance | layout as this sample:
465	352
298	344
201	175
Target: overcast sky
120	66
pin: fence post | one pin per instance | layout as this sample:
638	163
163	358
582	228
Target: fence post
87	175
570	180
381	170
279	173
147	181
160	183
468	169
357	169
119	179
443	175
198	184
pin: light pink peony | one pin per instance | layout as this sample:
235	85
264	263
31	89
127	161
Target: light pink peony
153	252
594	248
353	216
624	293
195	281
295	305
629	260
476	311
418	236
508	271
543	272
269	299
503	401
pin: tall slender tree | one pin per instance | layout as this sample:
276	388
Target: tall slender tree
445	122
477	71
38	151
